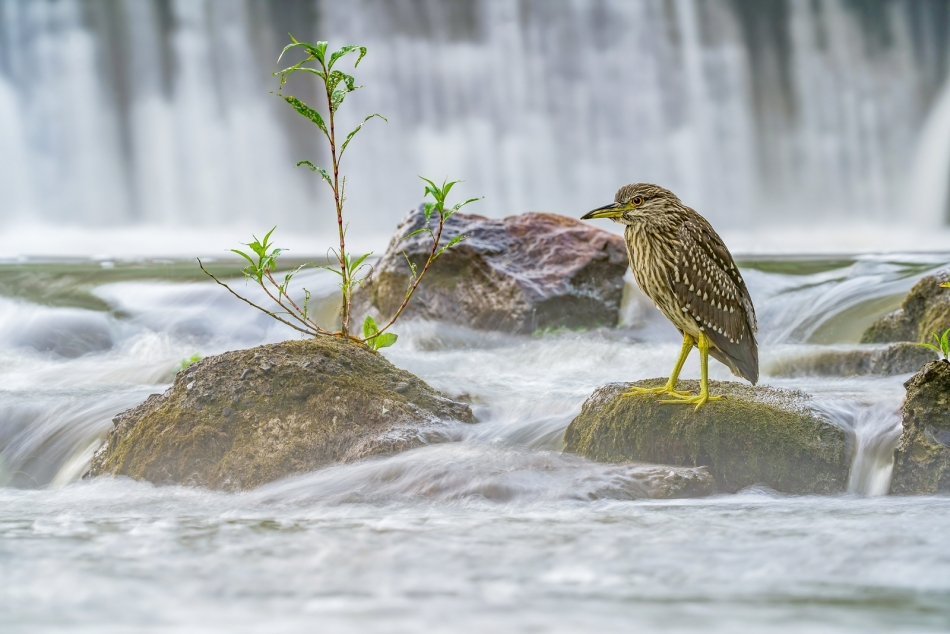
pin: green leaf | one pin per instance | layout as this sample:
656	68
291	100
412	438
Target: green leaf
244	255
308	112
317	168
187	363
447	187
451	244
412	267
332	269
343	51
945	285
384	340
350	136
336	99
295	68
931	346
370	329
354	265
267	237
361	56
417	232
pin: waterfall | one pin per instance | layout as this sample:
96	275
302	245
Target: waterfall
157	112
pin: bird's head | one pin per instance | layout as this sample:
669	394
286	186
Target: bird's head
634	202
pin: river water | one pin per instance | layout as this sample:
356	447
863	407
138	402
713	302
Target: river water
498	531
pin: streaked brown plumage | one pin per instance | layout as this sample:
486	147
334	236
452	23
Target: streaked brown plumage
681	263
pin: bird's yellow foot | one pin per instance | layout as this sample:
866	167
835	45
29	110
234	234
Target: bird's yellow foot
700	400
654	391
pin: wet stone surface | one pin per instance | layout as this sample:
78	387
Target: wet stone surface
240	419
925	310
756	435
922	459
516	274
897	358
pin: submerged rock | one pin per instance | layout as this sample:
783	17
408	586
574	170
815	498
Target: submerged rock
515	274
757	435
897	358
925	310
240	419
922	459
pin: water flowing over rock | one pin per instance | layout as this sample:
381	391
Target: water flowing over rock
516	274
756	435
922	459
897	358
240	419
925	310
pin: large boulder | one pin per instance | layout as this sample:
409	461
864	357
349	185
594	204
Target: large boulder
240	419
896	358
515	274
925	310
922	459
756	435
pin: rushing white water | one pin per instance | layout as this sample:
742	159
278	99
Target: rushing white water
759	114
497	530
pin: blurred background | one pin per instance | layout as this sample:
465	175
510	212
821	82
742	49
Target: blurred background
146	126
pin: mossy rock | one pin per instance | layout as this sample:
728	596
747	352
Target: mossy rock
922	458
756	435
244	418
896	358
925	310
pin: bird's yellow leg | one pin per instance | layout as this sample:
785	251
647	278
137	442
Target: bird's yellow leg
670	387
703	396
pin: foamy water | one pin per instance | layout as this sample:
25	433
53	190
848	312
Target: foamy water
498	530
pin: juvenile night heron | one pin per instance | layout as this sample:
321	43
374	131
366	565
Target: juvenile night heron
681	263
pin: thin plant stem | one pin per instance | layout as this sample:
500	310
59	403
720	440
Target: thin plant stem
300	313
247	301
345	311
415	283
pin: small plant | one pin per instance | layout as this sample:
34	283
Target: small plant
190	361
353	270
942	346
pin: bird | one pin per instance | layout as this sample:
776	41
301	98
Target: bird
681	263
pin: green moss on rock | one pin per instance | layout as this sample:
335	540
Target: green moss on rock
922	458
243	418
757	435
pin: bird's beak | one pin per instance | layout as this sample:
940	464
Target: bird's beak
613	210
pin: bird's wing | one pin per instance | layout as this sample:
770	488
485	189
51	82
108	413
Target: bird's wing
710	289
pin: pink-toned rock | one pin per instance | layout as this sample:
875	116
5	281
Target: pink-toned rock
515	274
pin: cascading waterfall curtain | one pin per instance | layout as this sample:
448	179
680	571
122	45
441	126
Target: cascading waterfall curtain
155	111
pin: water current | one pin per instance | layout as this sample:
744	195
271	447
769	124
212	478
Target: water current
497	531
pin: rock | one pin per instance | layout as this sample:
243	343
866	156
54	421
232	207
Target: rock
757	435
922	459
897	358
925	310
666	482
516	274
227	423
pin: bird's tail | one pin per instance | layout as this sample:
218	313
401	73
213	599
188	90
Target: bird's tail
744	364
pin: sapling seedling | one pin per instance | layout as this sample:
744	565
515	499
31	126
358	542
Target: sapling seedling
352	270
942	346
190	361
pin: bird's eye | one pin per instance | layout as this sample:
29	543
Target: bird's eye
637	201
